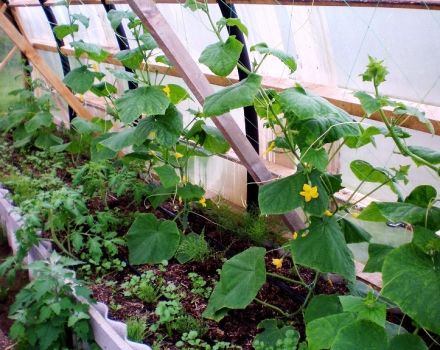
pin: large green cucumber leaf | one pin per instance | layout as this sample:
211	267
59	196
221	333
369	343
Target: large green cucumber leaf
241	278
411	279
364	171
94	52
407	342
117	141
321	332
422	195
147	100
288	60
151	240
80	79
221	58
324	249
39	120
321	306
361	335
429	154
167	175
281	196
376	256
402	212
367	308
166	128
235	96
369	103
353	233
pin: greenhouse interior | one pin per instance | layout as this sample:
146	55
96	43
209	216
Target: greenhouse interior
230	174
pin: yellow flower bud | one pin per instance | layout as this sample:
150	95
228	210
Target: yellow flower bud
278	263
202	201
328	213
167	90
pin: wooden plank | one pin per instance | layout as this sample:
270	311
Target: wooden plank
201	88
405	4
31	53
342	98
8	57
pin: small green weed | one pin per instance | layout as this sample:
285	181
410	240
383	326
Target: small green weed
136	329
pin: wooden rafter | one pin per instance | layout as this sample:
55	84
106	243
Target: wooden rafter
342	98
31	53
8	57
170	44
406	4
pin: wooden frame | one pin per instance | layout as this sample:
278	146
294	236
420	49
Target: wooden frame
342	98
406	4
31	53
8	57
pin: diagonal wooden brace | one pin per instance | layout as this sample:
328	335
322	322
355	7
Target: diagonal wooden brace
26	47
8	57
201	88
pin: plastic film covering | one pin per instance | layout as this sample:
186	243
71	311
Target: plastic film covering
331	46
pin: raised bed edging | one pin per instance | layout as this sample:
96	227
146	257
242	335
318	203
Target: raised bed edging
109	334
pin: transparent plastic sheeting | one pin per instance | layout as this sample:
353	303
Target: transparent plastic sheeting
331	46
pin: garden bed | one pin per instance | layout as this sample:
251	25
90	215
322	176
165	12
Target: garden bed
108	334
240	326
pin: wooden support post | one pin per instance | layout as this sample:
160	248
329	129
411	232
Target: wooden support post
26	47
201	88
8	57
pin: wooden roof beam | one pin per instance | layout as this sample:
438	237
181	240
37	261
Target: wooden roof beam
405	4
343	98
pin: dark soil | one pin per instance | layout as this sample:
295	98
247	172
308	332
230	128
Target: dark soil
239	327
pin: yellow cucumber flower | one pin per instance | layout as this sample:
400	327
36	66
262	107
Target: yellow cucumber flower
167	90
202	201
328	213
269	149
278	263
295	235
309	192
178	155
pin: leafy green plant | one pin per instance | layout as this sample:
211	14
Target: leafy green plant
193	248
147	287
199	286
93	177
187	323
275	336
47	309
191	341
30	119
136	329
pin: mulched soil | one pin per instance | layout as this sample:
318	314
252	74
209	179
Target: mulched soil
239	327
